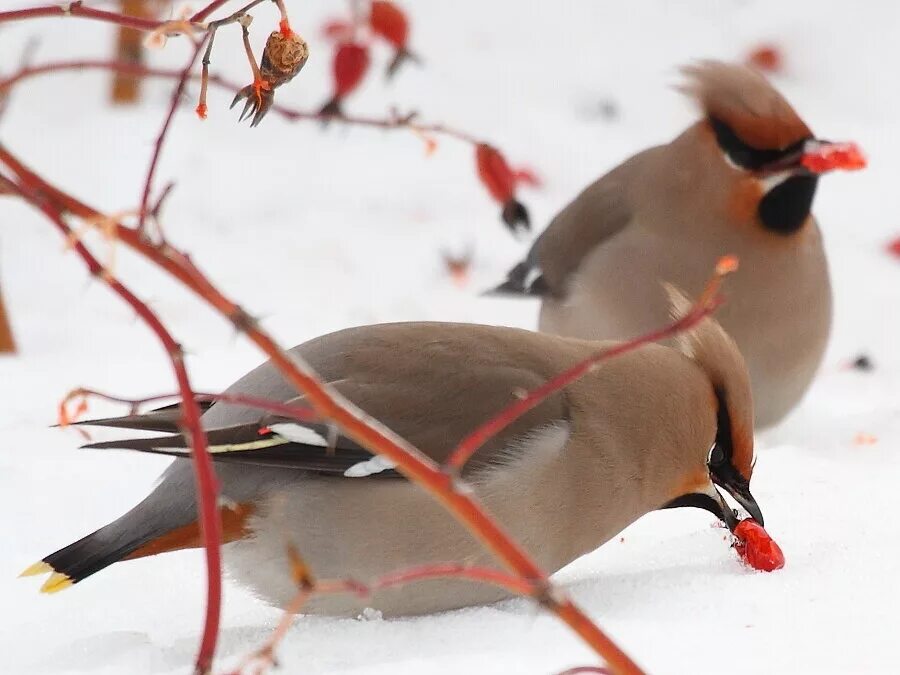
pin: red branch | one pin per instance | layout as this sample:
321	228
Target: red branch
206	11
204	473
354	423
265	655
77	9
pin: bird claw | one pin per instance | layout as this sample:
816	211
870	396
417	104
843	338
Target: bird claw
257	102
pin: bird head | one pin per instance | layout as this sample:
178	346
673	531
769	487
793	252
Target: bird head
765	149
729	462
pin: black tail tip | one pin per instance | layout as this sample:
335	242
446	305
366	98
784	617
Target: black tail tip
515	215
523	279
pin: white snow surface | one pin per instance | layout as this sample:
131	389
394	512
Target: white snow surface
316	229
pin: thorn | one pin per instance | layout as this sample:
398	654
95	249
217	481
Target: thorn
57	582
36	569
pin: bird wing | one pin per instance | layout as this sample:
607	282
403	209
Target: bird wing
430	383
602	210
166	419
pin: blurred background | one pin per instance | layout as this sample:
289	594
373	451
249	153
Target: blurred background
314	228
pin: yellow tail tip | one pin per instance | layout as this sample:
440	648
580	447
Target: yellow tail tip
39	567
56	583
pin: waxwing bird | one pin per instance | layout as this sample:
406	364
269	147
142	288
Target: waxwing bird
656	428
735	182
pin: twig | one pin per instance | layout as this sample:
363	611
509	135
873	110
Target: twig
78	10
265	655
204	473
160	139
206	11
212	27
354	423
297	412
389	123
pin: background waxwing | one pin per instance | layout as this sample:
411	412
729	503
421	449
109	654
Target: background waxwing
652	429
733	183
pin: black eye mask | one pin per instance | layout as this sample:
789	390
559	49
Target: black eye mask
786	206
746	156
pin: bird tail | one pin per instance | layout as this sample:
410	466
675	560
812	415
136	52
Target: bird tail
137	534
523	279
98	550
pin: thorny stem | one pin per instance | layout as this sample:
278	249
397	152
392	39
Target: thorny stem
204	473
353	422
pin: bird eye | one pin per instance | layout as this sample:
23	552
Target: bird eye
716	455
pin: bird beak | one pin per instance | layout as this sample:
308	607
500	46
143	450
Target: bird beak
824	156
727	477
816	156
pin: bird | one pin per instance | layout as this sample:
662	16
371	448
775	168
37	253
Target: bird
734	182
659	427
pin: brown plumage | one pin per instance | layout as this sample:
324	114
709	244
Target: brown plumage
744	100
632	436
733	183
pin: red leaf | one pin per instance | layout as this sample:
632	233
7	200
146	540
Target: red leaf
337	30
831	156
351	60
526	176
389	22
495	173
893	247
767	58
756	547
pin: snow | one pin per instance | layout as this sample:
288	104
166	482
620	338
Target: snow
316	229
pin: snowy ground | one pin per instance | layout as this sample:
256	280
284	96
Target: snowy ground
317	230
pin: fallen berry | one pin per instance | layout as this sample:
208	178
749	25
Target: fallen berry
756	547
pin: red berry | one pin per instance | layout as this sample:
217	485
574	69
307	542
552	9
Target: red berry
756	547
831	156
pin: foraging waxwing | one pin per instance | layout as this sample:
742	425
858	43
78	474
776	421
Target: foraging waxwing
655	428
732	183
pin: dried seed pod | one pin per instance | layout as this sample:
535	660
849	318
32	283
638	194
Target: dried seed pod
284	56
500	180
